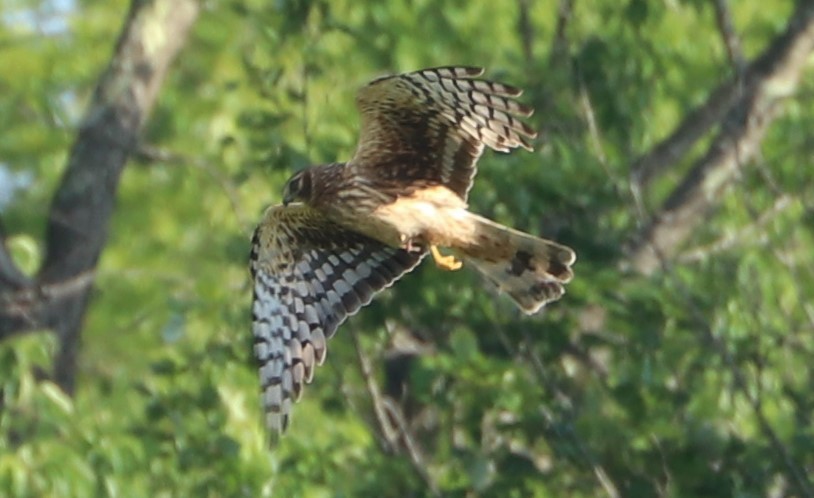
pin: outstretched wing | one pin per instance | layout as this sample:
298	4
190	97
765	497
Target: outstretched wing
309	275
429	127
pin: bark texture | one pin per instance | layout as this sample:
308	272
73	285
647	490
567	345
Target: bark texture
77	228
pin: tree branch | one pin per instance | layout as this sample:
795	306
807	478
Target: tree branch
559	44
773	76
526	30
391	421
723	17
25	310
153	34
665	154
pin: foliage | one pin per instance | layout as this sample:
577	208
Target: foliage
693	382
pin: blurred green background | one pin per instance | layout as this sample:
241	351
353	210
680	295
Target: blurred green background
693	382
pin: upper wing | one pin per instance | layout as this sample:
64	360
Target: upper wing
430	126
309	274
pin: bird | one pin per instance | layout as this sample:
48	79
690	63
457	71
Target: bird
347	230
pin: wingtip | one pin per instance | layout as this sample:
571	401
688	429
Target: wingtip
273	440
524	110
525	145
276	426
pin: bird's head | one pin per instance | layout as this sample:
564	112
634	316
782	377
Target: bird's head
298	187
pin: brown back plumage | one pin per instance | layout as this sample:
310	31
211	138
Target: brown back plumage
429	127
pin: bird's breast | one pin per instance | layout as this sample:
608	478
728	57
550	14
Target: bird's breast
433	215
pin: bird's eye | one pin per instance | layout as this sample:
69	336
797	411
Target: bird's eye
298	188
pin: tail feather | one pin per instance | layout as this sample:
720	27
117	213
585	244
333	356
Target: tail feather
531	270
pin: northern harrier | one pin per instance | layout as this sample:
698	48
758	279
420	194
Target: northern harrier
345	231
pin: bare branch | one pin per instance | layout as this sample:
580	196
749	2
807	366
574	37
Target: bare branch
526	30
25	310
593	130
559	45
416	456
723	17
771	78
391	438
391	420
698	122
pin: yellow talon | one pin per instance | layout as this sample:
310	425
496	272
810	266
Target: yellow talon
448	263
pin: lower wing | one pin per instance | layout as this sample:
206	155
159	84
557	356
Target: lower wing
309	274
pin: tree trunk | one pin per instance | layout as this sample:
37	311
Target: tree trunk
153	34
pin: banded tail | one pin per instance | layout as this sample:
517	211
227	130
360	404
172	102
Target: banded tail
531	270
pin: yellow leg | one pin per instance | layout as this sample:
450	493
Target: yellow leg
448	263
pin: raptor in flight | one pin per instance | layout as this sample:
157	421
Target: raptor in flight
347	230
